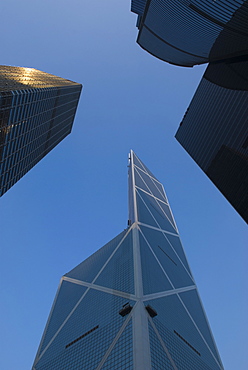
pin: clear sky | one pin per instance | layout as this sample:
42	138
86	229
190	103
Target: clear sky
75	199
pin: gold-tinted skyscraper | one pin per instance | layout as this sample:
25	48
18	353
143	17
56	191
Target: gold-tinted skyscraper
37	111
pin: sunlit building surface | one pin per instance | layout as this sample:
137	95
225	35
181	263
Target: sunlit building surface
192	32
37	111
134	303
214	130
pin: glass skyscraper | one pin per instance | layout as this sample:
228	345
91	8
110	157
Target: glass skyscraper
214	130
37	111
189	32
134	303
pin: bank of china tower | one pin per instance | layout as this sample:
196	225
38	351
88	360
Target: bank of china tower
134	303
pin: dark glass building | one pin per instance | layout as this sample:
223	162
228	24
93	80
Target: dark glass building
189	32
37	111
134	303
214	130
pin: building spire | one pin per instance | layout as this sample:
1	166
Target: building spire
148	203
132	204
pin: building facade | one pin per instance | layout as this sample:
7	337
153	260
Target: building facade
214	130
134	303
189	32
37	111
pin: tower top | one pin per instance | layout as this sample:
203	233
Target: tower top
148	203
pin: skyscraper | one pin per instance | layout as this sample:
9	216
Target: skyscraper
214	130
134	303
37	111
192	32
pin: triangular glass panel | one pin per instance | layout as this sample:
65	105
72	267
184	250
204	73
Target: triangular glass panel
166	210
88	269
159	359
94	324
144	215
194	306
141	165
161	188
180	335
177	246
68	296
143	181
121	356
118	273
176	272
151	214
154	279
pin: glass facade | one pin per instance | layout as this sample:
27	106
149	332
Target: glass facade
133	304
214	130
170	29
36	112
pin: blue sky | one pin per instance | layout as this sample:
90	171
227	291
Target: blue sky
75	199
